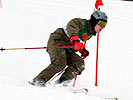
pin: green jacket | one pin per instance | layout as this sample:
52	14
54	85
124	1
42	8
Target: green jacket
61	37
81	28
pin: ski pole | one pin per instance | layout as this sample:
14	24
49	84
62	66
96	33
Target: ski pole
76	75
2	49
74	81
56	76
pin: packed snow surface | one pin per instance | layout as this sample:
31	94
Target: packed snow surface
28	23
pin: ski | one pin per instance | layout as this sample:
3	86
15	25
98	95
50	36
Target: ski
74	90
85	91
114	98
80	90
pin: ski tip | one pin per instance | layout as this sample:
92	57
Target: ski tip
85	89
29	82
114	98
81	90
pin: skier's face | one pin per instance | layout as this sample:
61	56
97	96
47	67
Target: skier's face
98	28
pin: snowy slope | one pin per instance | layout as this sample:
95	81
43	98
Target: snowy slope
28	23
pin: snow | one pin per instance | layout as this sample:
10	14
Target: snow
28	23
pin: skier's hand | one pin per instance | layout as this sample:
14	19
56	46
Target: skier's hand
76	42
78	46
84	53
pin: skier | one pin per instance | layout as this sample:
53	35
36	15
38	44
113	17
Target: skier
76	33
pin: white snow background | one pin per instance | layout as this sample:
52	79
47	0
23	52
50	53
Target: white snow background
28	23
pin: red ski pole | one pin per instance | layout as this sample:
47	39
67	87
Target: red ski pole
2	49
76	75
74	81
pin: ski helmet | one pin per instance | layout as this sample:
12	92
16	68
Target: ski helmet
97	16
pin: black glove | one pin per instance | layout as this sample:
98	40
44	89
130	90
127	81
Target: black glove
84	53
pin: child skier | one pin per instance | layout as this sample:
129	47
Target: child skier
76	33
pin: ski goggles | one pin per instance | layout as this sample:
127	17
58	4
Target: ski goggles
102	23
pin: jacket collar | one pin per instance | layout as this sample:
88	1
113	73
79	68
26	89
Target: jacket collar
90	28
